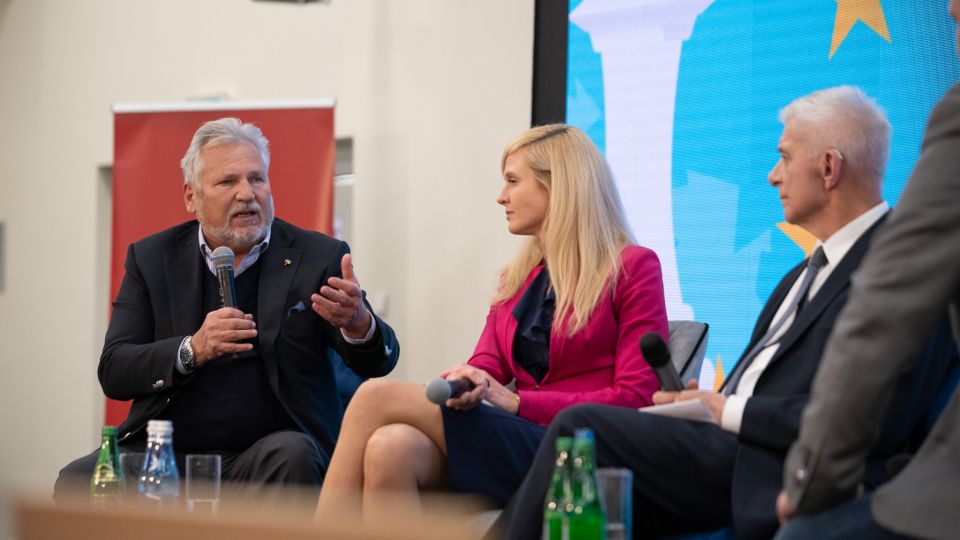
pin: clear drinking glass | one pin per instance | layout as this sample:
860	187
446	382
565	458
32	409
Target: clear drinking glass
203	483
616	487
131	463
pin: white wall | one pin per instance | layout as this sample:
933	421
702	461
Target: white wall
430	90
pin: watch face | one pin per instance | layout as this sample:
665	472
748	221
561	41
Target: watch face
187	358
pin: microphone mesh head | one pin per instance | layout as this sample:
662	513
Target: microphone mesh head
654	349
438	391
222	256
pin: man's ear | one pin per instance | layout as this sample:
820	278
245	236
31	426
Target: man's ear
188	198
831	166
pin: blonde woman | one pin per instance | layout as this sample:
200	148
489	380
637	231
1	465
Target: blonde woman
565	326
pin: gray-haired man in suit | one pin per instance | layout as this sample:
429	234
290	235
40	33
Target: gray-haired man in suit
909	276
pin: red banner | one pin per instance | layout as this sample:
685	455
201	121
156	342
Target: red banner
148	184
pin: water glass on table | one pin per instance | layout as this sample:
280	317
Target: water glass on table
130	464
616	488
203	483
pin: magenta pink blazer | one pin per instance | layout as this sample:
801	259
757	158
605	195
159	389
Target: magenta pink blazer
601	363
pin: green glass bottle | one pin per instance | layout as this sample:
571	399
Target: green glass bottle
107	486
559	496
587	520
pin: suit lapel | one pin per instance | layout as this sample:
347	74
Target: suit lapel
766	316
183	272
773	304
278	266
838	282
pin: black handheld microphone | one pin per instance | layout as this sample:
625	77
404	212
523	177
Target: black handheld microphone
440	390
223	262
658	356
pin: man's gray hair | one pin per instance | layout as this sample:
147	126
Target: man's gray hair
845	118
224	130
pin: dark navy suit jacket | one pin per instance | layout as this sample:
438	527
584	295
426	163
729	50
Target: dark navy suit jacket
771	419
159	303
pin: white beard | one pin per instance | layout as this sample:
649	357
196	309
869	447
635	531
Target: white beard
243	240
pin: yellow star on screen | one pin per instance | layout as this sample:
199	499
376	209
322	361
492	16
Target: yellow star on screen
718	375
851	11
799	235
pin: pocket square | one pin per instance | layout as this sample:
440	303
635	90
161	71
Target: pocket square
296	309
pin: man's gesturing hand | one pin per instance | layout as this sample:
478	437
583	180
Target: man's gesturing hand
220	333
340	302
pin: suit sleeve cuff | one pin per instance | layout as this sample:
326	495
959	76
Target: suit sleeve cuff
366	338
733	413
796	474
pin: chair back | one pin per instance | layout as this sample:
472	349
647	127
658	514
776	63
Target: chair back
688	344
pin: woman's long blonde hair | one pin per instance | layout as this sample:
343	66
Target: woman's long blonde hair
584	229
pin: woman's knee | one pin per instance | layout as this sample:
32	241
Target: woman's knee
396	449
369	390
394	443
378	393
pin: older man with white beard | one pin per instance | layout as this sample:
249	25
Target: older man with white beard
253	382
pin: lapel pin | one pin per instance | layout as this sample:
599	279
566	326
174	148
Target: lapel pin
287	262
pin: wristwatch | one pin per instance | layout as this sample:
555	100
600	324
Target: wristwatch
187	359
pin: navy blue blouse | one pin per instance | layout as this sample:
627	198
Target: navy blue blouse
534	313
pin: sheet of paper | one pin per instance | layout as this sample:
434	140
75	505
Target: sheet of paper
691	409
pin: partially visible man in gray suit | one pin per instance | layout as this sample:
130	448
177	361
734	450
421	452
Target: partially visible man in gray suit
909	276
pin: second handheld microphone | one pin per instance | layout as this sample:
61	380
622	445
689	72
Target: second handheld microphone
658	356
440	390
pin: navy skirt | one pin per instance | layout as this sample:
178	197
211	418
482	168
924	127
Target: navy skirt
489	451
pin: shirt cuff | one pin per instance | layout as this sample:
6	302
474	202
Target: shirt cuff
179	364
366	338
733	413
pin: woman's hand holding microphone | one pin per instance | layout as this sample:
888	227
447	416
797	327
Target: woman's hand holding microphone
485	387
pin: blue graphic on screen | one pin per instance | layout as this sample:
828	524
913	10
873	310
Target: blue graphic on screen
683	98
585	85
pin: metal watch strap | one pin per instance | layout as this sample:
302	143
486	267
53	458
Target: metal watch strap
187	358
